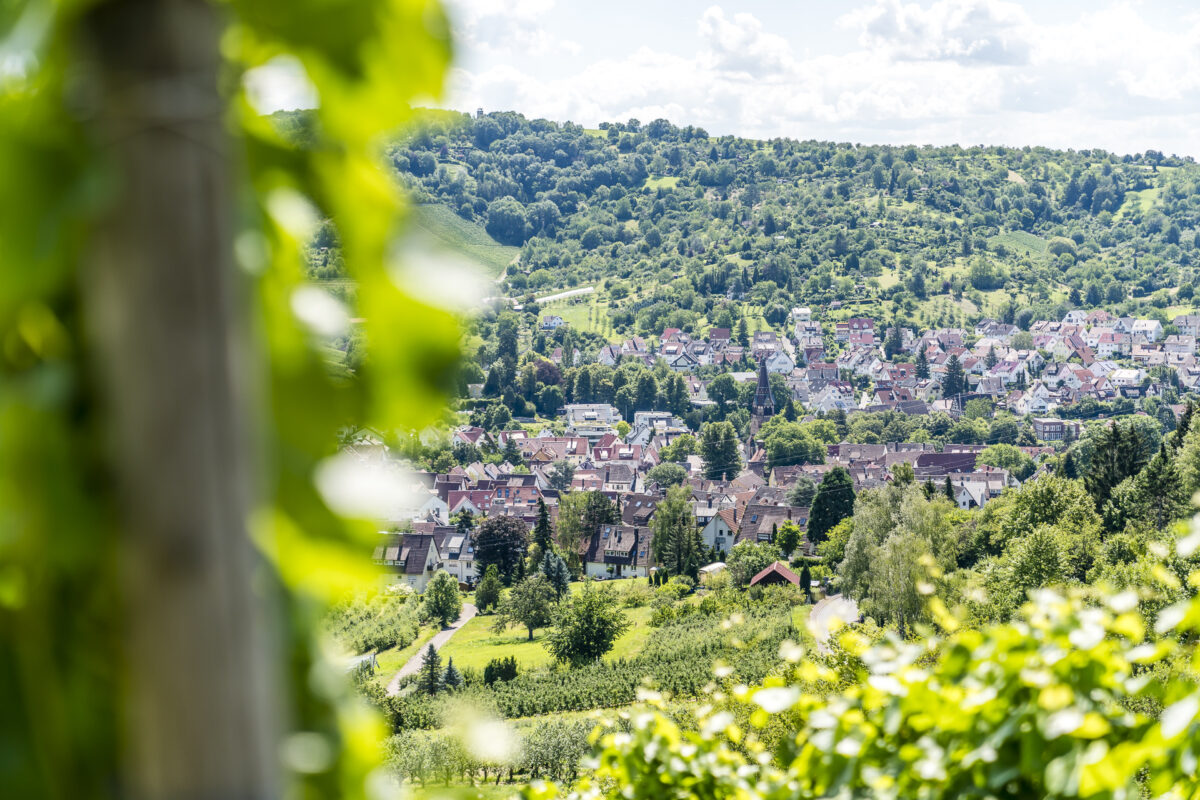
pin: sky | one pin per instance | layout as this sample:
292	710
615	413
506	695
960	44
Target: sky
1123	76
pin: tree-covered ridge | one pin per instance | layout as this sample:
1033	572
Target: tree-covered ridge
787	220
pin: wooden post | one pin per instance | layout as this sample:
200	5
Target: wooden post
160	293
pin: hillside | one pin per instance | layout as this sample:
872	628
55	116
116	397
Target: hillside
671	223
463	237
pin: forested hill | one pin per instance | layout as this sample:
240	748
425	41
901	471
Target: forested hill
674	217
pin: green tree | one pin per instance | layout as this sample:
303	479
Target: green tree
543	532
680	448
529	604
806	581
676	543
1006	456
487	593
429	680
833	502
955	383
555	570
789	443
586	627
452	679
719	449
922	369
579	514
788	538
561	474
667	474
502	541
802	492
1118	452
747	559
442	600
1160	490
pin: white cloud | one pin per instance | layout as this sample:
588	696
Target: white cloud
951	71
741	44
504	27
967	31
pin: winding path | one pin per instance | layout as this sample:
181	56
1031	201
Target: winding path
440	638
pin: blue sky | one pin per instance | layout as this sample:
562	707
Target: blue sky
1123	75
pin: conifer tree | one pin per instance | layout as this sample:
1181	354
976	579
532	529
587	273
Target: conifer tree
1160	490
543	533
833	502
1117	455
555	570
922	364
948	489
954	384
430	680
452	678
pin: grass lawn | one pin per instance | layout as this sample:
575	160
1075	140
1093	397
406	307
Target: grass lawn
661	182
588	313
477	644
1144	200
390	661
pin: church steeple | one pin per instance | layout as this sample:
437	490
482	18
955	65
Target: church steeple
764	401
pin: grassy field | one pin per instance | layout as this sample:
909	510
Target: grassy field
1145	200
1020	242
588	313
390	661
464	237
661	182
477	644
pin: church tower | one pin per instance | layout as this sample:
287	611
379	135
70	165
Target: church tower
764	401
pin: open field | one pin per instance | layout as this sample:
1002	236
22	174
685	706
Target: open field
464	237
661	182
477	644
1020	242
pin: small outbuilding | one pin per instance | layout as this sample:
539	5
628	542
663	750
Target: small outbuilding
777	573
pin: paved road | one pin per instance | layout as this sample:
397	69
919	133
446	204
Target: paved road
825	615
439	639
564	295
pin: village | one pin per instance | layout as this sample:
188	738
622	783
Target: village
1041	378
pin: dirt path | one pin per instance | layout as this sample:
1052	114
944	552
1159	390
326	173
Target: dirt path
439	639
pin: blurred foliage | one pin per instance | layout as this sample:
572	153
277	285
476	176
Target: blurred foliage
1074	698
59	599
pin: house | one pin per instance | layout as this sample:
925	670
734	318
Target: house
408	558
617	551
1152	329
775	574
1075	317
552	322
720	531
759	521
1188	324
1122	378
1049	429
458	553
780	362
